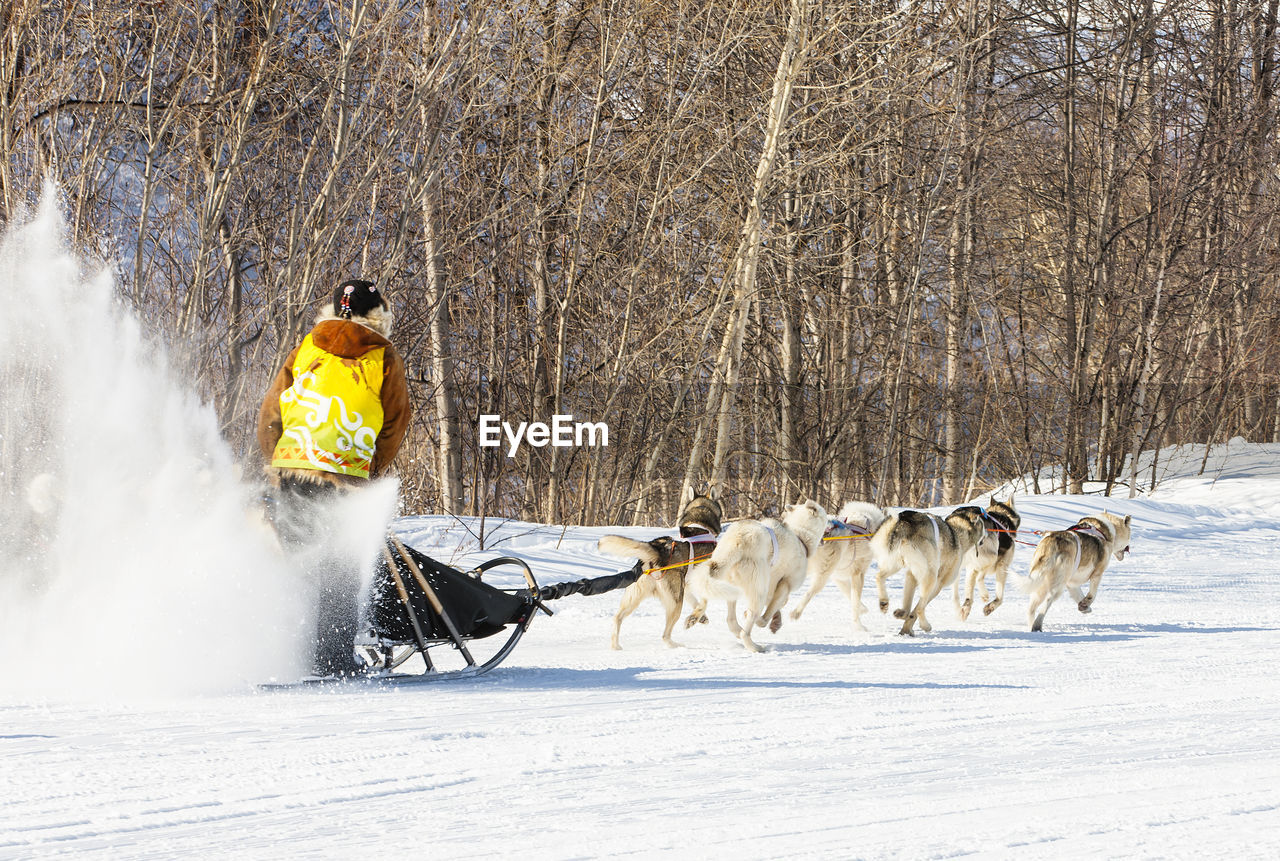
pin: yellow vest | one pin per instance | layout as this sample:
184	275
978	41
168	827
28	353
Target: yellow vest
332	414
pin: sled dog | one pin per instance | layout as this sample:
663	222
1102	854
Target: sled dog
699	525
929	548
846	558
993	557
759	562
1069	558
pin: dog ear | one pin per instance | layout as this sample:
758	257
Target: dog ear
1127	519
686	495
711	491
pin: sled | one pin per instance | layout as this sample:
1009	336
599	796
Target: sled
442	623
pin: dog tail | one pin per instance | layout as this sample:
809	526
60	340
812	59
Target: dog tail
617	545
884	546
862	516
1050	555
745	550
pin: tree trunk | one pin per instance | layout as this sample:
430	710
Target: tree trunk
747	258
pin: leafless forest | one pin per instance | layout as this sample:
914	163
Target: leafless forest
877	250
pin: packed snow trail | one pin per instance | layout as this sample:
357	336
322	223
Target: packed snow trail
1145	729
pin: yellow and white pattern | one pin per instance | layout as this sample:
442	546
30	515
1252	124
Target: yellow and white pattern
332	414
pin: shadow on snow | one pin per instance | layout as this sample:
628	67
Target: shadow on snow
648	679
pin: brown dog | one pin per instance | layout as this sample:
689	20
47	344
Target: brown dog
993	557
1075	557
699	526
928	549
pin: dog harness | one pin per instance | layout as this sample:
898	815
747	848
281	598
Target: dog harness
705	537
1090	530
332	414
693	541
702	529
1087	529
700	538
862	526
1002	525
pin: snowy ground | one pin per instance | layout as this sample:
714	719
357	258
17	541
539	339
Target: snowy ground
1147	729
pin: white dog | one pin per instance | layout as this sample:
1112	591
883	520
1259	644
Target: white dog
929	549
844	555
760	562
1069	558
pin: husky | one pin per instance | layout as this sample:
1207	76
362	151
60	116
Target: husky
993	557
1069	558
760	562
845	554
930	549
699	523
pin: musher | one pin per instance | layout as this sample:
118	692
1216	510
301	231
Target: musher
333	418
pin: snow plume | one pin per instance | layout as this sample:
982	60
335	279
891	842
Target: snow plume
133	559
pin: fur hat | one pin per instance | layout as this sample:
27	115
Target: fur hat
356	298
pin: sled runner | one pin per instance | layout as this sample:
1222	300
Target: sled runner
421	608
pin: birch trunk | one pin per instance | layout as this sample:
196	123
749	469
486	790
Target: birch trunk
747	257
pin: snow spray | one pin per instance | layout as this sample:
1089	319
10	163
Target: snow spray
133	559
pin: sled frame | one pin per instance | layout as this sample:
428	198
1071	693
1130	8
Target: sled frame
385	655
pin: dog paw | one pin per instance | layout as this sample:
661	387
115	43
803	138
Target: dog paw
899	614
795	614
884	606
1085	606
964	610
695	619
990	608
776	622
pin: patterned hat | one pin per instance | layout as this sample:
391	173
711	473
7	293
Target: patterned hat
356	298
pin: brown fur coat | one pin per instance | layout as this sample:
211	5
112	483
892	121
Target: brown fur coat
348	339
